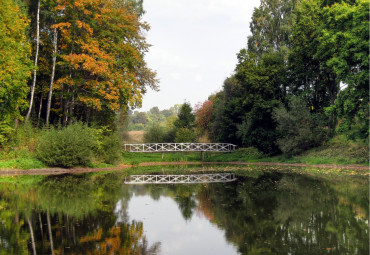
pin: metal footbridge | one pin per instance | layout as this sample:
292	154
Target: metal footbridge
180	147
180	179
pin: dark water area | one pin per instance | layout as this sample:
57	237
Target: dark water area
262	212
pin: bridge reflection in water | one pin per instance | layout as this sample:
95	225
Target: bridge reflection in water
180	179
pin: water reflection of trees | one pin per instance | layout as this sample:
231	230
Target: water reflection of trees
289	214
183	195
279	213
267	213
69	215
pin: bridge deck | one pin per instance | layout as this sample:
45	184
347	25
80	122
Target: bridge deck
181	179
173	147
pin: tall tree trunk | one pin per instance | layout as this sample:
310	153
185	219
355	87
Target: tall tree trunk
65	112
36	59
88	113
62	103
41	228
16	121
52	76
16	220
333	93
32	236
50	234
40	108
66	107
71	108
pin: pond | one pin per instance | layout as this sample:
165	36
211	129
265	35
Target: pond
254	212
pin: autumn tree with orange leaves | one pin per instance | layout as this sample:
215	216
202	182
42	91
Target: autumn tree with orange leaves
203	115
102	65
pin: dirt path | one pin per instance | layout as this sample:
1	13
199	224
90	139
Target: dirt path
55	171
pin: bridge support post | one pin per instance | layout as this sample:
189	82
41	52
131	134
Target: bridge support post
202	155
162	155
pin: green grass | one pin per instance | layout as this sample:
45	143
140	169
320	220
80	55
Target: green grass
339	151
134	158
22	159
21	163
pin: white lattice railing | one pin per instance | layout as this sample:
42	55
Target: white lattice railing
172	147
192	178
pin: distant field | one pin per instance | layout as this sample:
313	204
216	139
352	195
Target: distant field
134	137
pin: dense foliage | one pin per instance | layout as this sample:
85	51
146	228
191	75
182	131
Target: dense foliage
185	117
312	50
299	129
88	61
155	134
302	78
14	66
138	120
67	147
176	128
78	145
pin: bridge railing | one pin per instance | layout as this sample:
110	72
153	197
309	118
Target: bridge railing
171	179
173	147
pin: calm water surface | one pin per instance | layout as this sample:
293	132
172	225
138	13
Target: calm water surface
262	212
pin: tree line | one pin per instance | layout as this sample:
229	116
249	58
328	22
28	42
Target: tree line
179	125
140	120
64	61
302	78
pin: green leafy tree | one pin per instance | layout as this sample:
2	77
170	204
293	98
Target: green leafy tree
185	135
155	134
139	117
298	129
227	113
271	26
15	66
185	117
262	84
154	110
310	77
344	44
167	113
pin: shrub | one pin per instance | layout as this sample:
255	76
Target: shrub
155	134
111	149
5	131
136	127
250	153
299	129
25	137
170	135
184	135
67	147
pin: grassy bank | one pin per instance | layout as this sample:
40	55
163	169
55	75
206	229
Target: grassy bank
338	151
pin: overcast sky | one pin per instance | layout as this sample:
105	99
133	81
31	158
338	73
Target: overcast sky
195	43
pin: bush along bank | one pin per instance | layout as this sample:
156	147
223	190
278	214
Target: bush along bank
83	146
71	146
